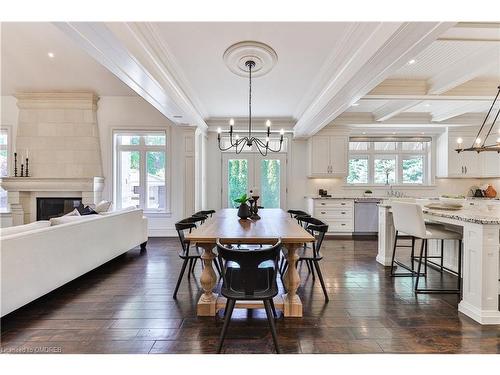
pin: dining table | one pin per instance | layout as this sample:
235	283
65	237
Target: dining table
274	224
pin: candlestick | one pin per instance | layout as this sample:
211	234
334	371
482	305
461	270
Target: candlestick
22	170
27	171
15	164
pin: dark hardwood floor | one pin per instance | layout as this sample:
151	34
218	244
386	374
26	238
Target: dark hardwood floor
126	306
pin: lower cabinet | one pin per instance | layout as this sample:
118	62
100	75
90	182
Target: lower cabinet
337	213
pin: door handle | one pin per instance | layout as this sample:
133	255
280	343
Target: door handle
323	212
323	204
343	212
465	169
462	169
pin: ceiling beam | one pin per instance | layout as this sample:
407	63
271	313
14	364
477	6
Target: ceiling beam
429	97
465	70
369	55
136	69
393	108
469	107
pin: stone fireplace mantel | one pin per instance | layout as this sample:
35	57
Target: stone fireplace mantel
23	191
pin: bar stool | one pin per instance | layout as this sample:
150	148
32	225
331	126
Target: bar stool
409	219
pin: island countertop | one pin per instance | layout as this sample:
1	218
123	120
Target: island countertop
469	214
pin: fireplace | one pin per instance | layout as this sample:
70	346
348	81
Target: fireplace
47	208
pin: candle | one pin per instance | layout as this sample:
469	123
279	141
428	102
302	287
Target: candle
27	154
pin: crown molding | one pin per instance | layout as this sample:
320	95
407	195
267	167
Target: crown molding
57	100
379	55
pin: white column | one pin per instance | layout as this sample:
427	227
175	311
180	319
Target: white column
16	207
481	273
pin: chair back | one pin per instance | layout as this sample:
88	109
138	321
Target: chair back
205	213
317	228
181	227
408	218
248	262
199	217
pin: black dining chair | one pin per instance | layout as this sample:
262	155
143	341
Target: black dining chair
189	255
312	258
204	213
297	214
249	275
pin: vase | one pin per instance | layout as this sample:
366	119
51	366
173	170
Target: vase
244	211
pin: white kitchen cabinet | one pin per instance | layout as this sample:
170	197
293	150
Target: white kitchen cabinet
490	164
328	156
337	213
450	163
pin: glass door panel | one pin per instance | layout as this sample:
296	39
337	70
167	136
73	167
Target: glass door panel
237	180
130	178
155	167
270	183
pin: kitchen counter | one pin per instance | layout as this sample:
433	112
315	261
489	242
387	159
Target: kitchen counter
345	197
480	228
471	214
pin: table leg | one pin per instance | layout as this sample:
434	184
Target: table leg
292	305
208	300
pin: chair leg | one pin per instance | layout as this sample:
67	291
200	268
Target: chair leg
394	253
320	275
190	268
459	285
442	249
426	254
227	319
270	319
273	308
217	267
412	253
308	265
184	264
420	263
312	269
194	264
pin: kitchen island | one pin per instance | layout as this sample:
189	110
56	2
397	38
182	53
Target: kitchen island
481	246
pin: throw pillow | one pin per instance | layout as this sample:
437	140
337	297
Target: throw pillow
73	213
86	210
102	206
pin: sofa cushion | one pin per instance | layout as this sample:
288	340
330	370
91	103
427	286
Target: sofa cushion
129	208
68	219
24	228
102	206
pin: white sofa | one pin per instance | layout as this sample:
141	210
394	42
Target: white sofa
38	261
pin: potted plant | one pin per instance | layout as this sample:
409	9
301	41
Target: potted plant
244	209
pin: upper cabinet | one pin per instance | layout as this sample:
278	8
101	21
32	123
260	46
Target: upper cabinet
327	156
465	164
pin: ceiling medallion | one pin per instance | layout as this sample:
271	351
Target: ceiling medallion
264	57
250	59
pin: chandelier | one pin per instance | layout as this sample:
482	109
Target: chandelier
237	142
479	145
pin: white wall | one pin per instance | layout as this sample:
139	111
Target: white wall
134	113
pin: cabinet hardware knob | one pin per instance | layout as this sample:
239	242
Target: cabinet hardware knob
323	212
343	212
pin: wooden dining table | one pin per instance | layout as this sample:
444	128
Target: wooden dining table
226	225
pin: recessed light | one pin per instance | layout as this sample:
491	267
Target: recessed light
51	55
177	116
412	61
354	104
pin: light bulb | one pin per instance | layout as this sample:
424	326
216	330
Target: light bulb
282	131
460	141
268	123
219	130
267	139
231	122
478	141
498	141
237	136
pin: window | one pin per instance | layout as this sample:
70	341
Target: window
140	170
388	161
4	164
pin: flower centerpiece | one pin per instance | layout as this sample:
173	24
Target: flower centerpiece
244	209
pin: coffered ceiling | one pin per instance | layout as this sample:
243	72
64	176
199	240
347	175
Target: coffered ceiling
374	72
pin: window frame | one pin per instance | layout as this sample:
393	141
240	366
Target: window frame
399	154
8	147
142	148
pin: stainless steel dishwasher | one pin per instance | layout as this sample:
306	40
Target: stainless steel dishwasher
366	216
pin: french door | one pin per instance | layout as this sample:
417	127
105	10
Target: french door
243	172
